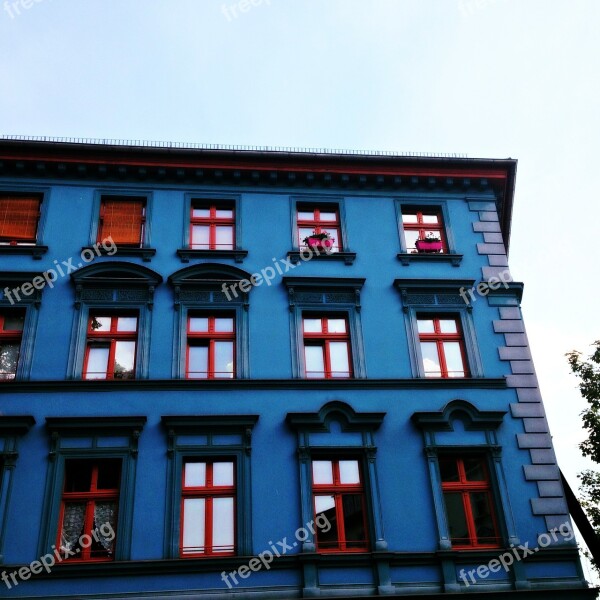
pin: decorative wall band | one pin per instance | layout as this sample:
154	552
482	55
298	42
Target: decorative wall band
549	506
520	411
535	425
483	226
491	249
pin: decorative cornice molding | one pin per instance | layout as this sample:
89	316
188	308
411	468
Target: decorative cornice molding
150	385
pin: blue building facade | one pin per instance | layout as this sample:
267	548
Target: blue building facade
269	374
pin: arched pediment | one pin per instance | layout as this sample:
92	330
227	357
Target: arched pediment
472	417
339	411
116	272
207	272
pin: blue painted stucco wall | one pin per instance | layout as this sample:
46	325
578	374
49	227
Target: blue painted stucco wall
408	515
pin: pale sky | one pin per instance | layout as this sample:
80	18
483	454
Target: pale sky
488	78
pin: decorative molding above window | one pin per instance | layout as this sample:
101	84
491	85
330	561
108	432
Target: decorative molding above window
205	284
441	420
433	292
115	282
324	291
349	419
95	427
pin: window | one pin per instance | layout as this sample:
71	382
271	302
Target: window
326	346
311	220
208	508
11	331
123	219
209	485
111	346
211	346
468	502
212	226
442	346
339	496
19	219
421	223
88	516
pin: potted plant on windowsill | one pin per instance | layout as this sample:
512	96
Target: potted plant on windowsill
430	243
319	241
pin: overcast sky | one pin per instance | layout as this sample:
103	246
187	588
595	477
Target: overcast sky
489	78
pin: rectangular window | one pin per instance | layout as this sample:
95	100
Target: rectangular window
12	322
210	346
442	346
88	516
326	347
111	346
319	227
423	224
19	218
208	508
339	496
468	501
122	219
212	226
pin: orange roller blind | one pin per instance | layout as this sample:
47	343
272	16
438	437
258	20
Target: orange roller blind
19	218
122	220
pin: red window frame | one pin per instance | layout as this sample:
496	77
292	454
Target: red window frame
110	339
465	488
123	219
439	338
420	212
14	336
324	338
19	218
90	497
208	338
212	222
319	226
208	492
338	490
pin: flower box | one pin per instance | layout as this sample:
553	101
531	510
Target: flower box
317	242
428	245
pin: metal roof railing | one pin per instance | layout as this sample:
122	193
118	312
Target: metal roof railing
231	147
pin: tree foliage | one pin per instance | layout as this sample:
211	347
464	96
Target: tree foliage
587	371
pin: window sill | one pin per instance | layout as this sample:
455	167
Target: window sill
188	253
145	253
347	257
36	252
406	258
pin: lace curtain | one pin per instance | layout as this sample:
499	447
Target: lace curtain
105	523
72	525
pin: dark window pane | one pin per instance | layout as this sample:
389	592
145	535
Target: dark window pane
457	523
78	475
474	469
109	474
449	469
482	515
354	522
14	321
325	508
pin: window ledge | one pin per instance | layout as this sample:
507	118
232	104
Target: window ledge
405	258
35	251
77	385
188	253
347	257
145	253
